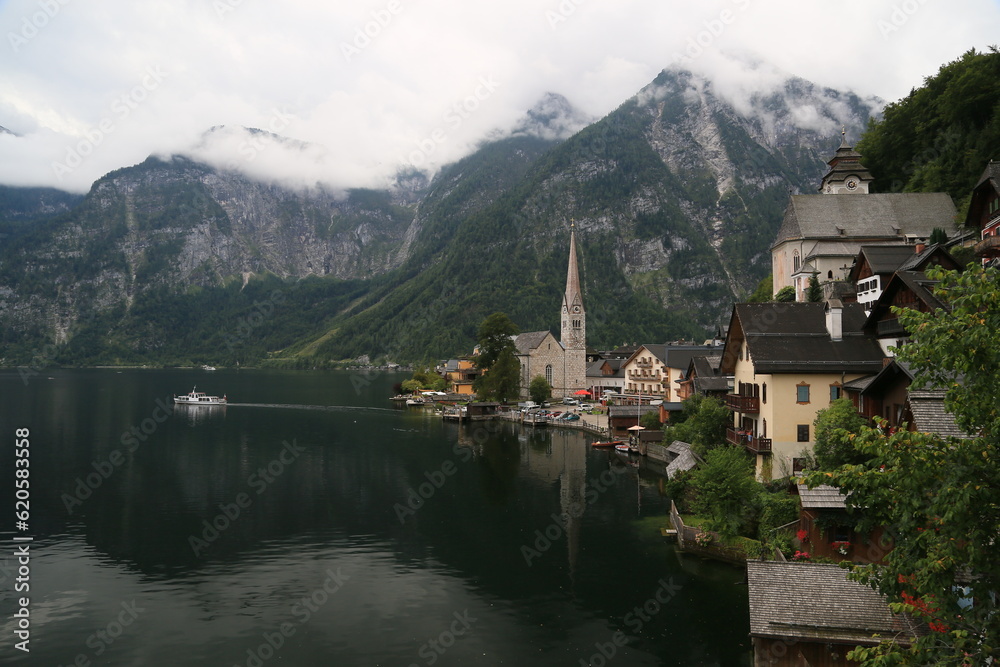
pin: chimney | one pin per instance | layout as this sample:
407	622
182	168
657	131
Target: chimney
919	246
835	319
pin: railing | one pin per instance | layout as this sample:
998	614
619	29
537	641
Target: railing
744	404
754	444
988	246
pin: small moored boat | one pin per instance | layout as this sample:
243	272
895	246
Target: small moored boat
195	397
607	443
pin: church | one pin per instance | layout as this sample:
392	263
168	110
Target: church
563	362
822	234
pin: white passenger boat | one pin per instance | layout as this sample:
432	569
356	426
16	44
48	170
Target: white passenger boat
199	398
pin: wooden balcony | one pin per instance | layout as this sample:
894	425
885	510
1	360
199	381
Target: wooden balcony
753	444
988	247
744	404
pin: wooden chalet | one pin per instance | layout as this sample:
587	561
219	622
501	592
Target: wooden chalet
811	614
984	212
829	530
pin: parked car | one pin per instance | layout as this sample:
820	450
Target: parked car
570	401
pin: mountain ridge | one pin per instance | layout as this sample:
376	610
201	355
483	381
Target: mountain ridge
676	195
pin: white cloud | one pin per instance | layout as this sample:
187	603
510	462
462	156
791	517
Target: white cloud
377	82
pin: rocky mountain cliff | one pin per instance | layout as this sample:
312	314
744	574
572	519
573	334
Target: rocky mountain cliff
676	195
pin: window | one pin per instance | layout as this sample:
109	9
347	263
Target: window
795	261
802	393
835	392
763	393
829	274
548	374
803	433
763	428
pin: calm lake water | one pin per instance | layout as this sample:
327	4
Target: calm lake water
352	533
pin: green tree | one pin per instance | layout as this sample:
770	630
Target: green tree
651	421
539	390
704	424
814	293
502	381
938	497
832	451
726	490
764	291
785	294
493	337
938	236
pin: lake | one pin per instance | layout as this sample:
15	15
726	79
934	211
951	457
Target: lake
312	522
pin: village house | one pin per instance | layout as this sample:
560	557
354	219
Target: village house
604	376
788	361
703	377
821	234
460	374
654	370
811	614
875	266
984	213
826	530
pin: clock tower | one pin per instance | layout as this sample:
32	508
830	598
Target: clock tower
847	176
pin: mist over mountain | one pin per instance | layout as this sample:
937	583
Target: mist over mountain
676	196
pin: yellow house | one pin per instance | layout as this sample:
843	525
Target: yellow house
461	373
788	362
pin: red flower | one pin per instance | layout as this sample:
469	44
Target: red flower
802	534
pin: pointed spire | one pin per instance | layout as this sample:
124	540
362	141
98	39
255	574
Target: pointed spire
572	296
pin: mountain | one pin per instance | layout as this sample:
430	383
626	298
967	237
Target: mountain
676	196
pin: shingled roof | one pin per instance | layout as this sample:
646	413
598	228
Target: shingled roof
792	337
822	497
812	601
930	415
890	216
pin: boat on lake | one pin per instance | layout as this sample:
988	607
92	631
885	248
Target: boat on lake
195	397
607	443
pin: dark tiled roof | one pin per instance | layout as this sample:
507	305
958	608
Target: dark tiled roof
885	259
821	497
792	337
812	601
866	216
631	410
860	384
680	356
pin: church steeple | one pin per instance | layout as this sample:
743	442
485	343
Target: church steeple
847	175
574	317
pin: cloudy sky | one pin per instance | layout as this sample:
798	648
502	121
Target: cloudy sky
88	87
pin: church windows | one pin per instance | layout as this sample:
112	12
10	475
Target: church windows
548	374
796	262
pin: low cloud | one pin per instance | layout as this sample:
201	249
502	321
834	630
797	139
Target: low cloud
380	85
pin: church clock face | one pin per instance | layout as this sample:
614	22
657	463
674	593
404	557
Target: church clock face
564	309
576	309
852	184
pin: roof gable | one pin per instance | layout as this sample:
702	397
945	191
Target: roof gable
532	340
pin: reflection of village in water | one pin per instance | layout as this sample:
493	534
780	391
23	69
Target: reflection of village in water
557	458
